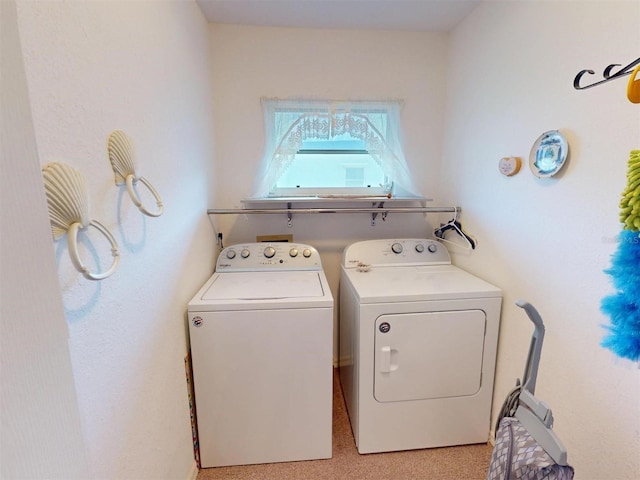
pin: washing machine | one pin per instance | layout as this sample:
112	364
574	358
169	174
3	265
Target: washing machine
261	332
418	340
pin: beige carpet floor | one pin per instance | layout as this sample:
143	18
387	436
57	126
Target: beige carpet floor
468	462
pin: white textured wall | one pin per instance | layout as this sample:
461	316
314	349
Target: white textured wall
511	70
40	434
143	67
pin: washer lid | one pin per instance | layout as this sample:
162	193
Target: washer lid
254	290
416	283
264	285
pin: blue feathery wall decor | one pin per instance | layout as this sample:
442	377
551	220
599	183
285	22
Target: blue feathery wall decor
623	307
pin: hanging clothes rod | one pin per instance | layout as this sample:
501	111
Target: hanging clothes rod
271	211
374	211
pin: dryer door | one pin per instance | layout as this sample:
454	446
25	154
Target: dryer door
428	355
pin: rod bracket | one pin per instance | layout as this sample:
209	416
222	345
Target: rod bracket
374	215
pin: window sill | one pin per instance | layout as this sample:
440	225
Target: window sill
334	200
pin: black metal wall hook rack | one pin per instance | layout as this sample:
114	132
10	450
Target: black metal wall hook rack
608	74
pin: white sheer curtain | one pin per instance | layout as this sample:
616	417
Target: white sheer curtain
290	122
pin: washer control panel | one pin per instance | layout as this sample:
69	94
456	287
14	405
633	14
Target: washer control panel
418	251
268	256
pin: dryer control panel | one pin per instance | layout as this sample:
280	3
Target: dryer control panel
389	252
268	256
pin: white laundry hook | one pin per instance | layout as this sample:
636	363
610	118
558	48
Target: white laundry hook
122	155
72	240
130	181
68	204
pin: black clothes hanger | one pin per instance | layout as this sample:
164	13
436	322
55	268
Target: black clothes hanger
456	226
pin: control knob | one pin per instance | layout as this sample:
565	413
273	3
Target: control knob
306	253
231	254
245	253
269	252
433	248
293	252
419	248
396	248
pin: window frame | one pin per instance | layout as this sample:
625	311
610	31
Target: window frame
320	121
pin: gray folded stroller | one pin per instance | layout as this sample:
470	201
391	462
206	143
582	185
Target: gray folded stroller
526	447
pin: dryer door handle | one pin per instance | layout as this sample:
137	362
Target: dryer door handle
387	354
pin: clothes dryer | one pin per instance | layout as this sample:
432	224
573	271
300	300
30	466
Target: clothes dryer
418	341
261	331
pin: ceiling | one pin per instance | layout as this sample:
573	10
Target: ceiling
417	15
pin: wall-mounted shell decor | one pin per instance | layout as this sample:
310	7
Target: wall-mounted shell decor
68	204
67	198
122	155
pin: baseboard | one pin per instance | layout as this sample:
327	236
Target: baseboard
492	438
342	361
193	473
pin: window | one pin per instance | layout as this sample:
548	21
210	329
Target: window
354	177
331	166
332	149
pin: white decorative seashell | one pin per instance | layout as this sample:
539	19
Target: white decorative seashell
122	155
67	198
